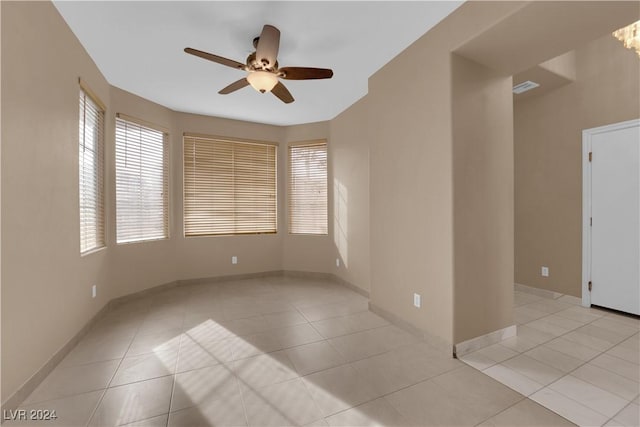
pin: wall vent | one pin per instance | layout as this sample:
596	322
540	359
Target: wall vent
524	86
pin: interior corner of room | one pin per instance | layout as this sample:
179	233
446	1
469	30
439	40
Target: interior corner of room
441	182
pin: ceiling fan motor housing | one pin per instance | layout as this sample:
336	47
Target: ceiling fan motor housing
254	64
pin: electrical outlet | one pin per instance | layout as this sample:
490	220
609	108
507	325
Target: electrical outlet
94	291
544	271
417	300
234	259
337	262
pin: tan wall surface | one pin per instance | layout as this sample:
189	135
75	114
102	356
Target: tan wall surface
46	294
411	172
541	30
482	109
548	161
349	157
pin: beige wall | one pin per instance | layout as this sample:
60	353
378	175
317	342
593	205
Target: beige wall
349	157
411	174
46	295
482	109
548	165
413	198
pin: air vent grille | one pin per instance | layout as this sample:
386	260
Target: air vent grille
524	86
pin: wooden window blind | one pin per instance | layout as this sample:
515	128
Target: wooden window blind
142	201
91	170
307	191
229	187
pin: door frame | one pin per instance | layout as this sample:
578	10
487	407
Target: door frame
587	134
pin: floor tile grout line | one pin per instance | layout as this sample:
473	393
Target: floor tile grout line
242	401
618	413
524	398
346	363
558	379
71	394
235	376
221	364
238	381
93	413
571	371
150	313
353	332
383	395
574	400
602	316
560	336
175	373
317	405
67	396
334	317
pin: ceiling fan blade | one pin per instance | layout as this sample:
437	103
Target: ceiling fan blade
305	73
268	45
215	58
234	86
283	93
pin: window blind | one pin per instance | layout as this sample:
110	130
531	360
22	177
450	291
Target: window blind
141	183
229	187
307	190
90	159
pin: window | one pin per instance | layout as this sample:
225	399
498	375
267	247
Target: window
90	160
308	188
229	187
141	182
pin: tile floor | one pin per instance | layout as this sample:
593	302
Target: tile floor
284	351
581	363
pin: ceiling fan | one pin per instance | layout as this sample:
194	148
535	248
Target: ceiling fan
262	69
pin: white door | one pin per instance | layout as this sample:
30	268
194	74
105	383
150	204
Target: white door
615	217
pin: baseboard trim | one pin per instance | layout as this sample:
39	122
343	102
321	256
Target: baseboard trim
307	274
16	399
438	343
225	278
329	276
537	291
477	343
351	286
570	299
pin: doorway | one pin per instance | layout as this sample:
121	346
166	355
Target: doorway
611	217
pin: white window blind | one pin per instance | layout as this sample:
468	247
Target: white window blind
141	183
90	159
307	192
229	187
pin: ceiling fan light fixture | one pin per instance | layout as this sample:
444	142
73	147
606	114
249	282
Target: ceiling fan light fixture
262	81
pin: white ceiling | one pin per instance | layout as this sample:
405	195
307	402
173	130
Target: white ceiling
138	46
